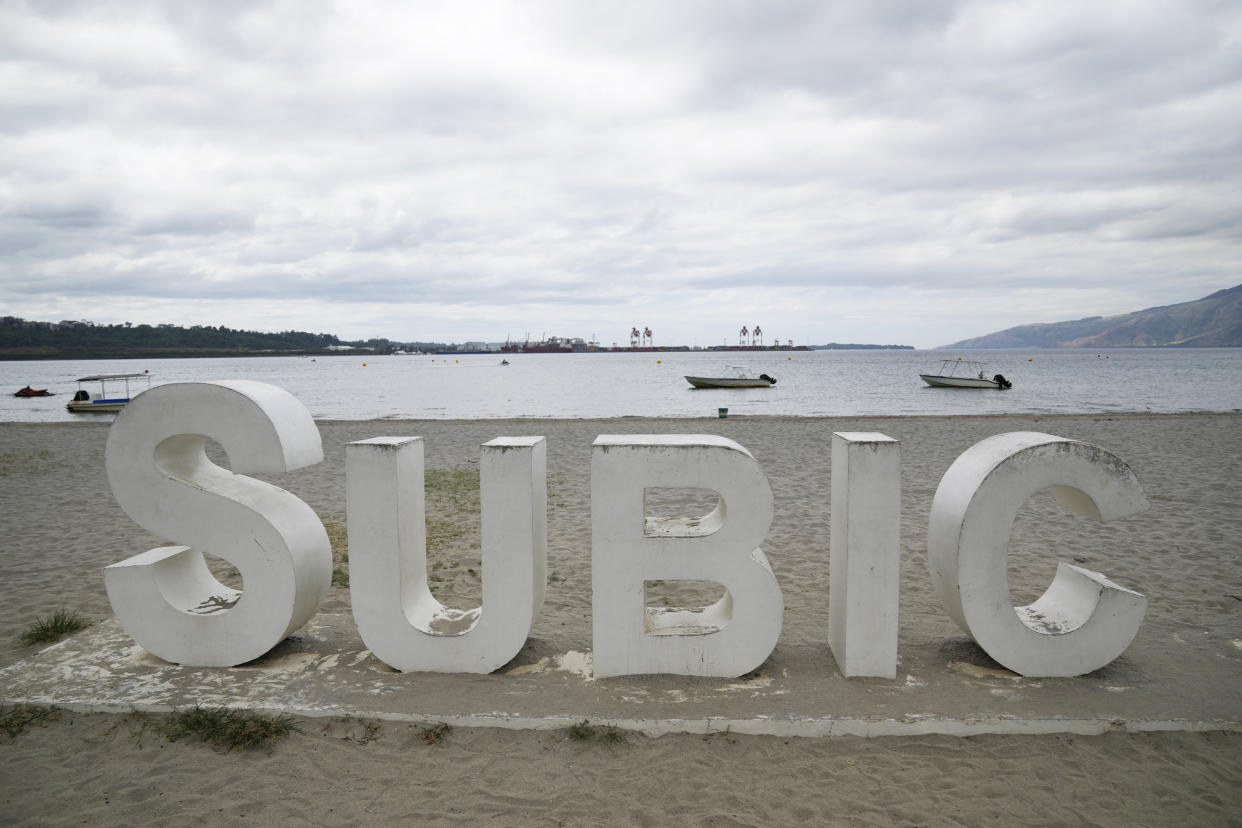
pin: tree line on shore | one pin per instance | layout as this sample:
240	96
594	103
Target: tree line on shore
23	339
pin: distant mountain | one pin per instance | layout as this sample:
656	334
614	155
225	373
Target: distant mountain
1211	322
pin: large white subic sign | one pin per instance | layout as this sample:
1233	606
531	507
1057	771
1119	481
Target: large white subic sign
168	600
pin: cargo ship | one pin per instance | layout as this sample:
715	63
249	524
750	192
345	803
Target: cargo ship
551	345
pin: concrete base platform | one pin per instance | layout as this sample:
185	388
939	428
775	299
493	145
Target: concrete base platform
949	687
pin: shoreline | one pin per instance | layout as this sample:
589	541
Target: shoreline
104	420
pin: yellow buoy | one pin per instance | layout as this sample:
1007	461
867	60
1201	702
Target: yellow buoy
364	365
1030	359
658	361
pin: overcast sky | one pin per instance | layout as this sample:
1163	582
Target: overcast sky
913	173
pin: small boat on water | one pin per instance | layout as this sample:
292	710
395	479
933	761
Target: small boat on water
962	373
106	401
737	378
32	392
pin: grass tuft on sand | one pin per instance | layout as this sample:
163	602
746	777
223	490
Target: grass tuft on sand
584	731
434	735
16	719
581	731
612	735
53	628
226	729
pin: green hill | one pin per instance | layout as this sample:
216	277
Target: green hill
22	339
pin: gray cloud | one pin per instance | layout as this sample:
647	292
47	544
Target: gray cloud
870	172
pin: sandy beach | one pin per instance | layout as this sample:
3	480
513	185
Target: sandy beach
1174	754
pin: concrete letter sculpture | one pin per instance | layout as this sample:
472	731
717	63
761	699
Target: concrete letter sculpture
864	560
397	616
166	598
1083	621
729	638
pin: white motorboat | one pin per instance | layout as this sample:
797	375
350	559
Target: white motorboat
105	400
963	373
737	378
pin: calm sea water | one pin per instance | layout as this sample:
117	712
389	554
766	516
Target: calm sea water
816	383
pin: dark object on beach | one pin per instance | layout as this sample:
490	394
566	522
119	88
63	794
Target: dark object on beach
32	392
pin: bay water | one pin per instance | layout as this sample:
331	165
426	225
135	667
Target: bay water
652	384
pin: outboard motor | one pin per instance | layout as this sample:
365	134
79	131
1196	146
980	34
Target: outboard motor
1000	380
766	377
82	396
